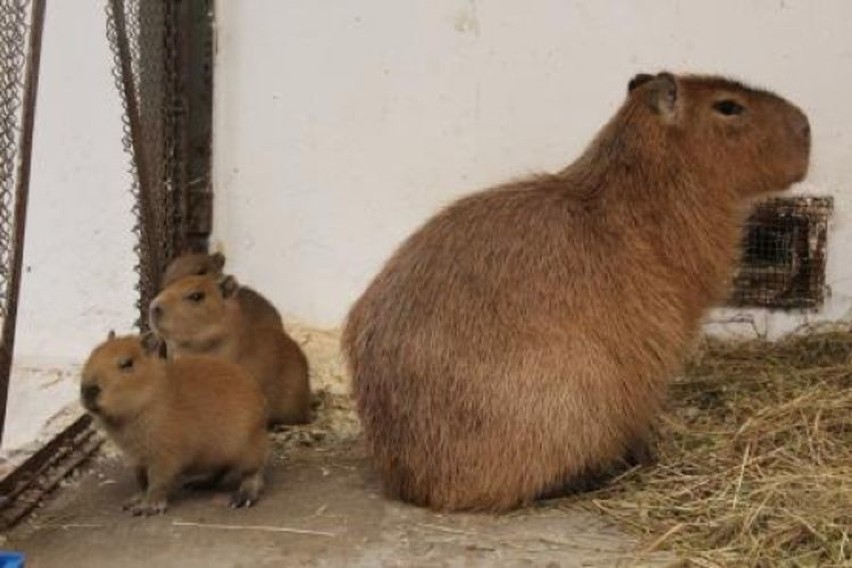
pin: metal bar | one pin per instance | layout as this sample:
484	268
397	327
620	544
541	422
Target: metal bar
196	37
143	172
22	188
180	108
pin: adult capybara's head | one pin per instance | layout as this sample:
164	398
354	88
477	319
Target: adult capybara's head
194	264
119	378
193	309
748	140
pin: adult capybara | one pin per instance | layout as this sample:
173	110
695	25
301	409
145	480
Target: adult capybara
202	315
195	416
255	307
521	340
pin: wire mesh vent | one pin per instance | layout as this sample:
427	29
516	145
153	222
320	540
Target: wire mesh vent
784	255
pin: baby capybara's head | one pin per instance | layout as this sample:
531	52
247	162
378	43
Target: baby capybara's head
727	134
119	377
194	264
193	309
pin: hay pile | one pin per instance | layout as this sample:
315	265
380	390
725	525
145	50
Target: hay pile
335	423
755	458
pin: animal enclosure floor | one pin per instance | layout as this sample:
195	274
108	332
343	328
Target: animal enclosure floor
322	507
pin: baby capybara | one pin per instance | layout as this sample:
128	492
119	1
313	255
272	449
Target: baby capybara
521	340
255	306
189	417
202	315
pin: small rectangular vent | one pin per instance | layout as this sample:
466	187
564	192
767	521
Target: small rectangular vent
784	253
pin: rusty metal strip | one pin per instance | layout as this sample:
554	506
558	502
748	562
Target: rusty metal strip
29	483
22	188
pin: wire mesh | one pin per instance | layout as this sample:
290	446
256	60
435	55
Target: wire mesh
14	29
143	38
784	255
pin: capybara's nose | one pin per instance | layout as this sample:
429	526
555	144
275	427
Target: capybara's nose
802	126
89	394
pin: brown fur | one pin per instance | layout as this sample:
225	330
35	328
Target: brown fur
193	416
256	308
521	340
217	325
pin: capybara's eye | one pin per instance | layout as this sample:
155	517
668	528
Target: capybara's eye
125	364
728	107
201	271
195	297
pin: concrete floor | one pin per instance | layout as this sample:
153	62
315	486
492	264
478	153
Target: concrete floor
322	507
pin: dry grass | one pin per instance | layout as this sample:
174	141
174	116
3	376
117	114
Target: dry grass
754	459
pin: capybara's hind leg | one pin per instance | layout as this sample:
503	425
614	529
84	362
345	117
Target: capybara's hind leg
248	491
641	451
142	478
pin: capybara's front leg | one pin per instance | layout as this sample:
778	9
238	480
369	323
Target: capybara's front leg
154	501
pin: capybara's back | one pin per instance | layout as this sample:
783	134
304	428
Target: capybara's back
522	338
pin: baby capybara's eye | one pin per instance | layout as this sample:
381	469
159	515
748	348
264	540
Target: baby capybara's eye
125	364
195	297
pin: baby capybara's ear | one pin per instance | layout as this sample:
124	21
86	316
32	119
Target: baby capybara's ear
152	344
218	260
229	286
111	335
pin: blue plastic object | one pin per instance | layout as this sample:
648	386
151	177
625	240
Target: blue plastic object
11	559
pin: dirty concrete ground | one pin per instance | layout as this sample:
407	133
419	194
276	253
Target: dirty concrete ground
322	507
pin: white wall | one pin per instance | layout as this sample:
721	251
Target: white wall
78	279
341	125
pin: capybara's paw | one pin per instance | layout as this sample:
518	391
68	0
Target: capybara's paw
133	501
242	498
144	507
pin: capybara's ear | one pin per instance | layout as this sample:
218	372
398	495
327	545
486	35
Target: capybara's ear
661	92
111	335
151	343
229	286
638	81
218	260
658	91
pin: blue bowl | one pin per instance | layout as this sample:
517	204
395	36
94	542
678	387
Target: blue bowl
11	559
